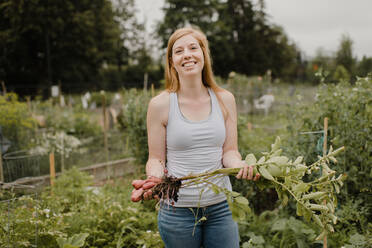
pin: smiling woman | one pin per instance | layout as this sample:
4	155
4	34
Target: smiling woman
192	128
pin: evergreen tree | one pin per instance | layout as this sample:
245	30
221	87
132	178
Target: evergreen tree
344	54
46	42
241	39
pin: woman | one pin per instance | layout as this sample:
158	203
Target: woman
193	127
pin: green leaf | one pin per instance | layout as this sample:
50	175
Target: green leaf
266	174
78	240
330	228
318	207
261	160
321	235
317	220
234	194
284	200
241	200
279	225
337	188
61	242
314	195
276	144
298	160
299	208
250	159
277	153
357	239
274	170
307	214
258	240
300	188
279	160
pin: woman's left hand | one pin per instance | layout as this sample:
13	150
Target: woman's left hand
246	172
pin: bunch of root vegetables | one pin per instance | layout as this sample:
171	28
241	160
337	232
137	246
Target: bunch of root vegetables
315	196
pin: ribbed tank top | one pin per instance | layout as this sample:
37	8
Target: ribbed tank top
195	147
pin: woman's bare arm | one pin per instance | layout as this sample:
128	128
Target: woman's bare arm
157	117
231	157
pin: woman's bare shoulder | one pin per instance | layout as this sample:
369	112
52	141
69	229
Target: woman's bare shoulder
159	107
226	96
160	101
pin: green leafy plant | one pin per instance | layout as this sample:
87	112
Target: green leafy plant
348	108
276	229
74	213
75	241
315	198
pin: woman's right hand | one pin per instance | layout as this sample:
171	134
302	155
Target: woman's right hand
142	188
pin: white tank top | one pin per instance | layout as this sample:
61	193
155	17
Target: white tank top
195	147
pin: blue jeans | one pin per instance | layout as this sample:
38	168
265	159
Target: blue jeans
179	228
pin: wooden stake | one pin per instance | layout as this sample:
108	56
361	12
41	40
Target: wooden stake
52	168
4	88
323	172
1	165
145	81
105	142
63	153
152	90
325	136
249	126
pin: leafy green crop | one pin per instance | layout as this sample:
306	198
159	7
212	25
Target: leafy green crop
315	199
73	213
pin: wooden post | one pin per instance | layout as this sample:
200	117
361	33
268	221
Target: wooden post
249	126
105	142
145	81
325	130
1	165
152	90
63	153
52	169
325	136
4	88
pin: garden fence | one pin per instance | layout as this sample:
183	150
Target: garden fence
21	164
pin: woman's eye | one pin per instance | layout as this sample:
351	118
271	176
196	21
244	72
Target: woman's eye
178	51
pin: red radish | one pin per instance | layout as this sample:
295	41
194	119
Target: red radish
137	184
148	185
136	195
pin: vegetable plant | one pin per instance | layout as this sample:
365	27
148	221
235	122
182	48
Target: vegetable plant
314	193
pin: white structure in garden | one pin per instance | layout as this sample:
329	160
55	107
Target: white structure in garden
264	102
85	99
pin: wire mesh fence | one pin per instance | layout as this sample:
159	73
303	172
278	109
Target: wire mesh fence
22	164
33	163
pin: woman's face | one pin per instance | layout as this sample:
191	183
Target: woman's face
187	56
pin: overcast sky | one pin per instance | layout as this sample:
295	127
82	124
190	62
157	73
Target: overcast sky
309	23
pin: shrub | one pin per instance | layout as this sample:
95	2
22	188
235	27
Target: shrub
133	121
16	122
349	109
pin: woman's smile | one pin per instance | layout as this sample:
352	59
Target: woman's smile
187	56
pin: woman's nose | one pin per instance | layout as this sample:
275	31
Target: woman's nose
187	54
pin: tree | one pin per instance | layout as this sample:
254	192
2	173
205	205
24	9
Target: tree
49	42
344	54
241	39
364	66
